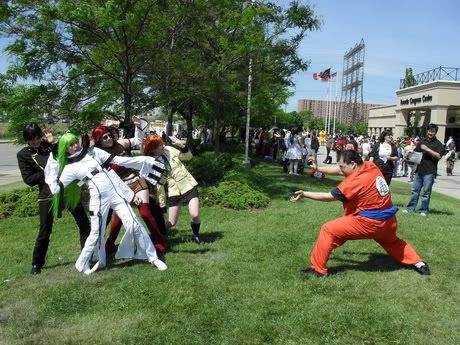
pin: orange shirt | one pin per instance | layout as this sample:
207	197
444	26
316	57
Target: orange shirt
365	189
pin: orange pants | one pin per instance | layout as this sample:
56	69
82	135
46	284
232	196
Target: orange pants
336	232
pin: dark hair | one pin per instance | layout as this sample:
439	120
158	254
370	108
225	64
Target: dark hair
383	135
31	131
351	156
432	126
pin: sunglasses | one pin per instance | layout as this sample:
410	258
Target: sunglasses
106	137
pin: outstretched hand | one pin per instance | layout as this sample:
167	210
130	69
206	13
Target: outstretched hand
314	163
49	135
297	196
136	119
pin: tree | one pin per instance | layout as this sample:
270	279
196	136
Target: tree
90	52
413	123
409	79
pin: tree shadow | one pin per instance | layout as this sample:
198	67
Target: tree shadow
376	262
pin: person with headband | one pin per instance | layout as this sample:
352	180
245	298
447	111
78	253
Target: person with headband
182	187
32	160
104	139
369	214
107	191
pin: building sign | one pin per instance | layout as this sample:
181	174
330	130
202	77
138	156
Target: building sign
415	101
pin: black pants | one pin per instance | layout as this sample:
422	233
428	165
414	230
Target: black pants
46	225
157	213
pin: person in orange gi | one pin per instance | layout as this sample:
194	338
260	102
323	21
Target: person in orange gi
369	214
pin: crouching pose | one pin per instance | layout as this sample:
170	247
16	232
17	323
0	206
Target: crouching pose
369	214
106	191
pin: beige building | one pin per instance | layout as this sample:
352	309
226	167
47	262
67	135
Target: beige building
437	101
319	108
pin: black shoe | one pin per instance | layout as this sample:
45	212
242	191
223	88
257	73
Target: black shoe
196	239
35	270
310	272
423	270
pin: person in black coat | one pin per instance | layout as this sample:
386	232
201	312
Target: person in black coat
32	160
384	154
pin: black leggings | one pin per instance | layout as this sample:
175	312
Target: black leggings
46	225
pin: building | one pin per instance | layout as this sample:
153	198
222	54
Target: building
319	108
436	101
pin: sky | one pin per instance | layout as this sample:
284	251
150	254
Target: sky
421	34
398	34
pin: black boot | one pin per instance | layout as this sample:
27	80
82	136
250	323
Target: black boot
35	270
196	232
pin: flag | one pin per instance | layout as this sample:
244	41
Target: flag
323	76
333	77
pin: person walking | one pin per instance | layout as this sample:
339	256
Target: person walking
451	156
426	171
329	144
369	214
32	161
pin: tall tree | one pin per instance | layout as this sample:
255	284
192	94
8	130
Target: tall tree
90	52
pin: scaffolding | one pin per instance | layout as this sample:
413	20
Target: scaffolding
352	85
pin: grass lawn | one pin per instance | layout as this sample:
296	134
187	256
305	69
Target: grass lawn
243	286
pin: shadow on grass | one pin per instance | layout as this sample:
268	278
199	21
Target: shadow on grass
176	238
376	263
59	264
121	263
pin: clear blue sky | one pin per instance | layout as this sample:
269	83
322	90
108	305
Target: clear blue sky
421	34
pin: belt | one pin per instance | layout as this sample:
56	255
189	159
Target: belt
89	176
132	180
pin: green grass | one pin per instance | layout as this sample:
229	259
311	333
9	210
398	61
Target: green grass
243	285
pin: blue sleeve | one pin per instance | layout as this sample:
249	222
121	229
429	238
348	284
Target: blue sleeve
338	195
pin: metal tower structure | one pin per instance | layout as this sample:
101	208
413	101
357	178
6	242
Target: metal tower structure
352	85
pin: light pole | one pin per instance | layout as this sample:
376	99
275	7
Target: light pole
247	162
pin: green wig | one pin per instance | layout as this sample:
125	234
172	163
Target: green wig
72	191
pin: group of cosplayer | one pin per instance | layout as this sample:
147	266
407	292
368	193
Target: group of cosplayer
116	182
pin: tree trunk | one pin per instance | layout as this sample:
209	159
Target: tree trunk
217	116
188	121
127	105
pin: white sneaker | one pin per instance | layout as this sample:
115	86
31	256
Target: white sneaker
160	265
405	211
423	214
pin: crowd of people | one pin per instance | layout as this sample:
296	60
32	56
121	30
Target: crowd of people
295	146
157	180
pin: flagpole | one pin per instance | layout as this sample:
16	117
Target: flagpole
327	108
335	105
330	105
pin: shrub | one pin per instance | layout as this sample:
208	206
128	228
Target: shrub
208	169
235	195
19	203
